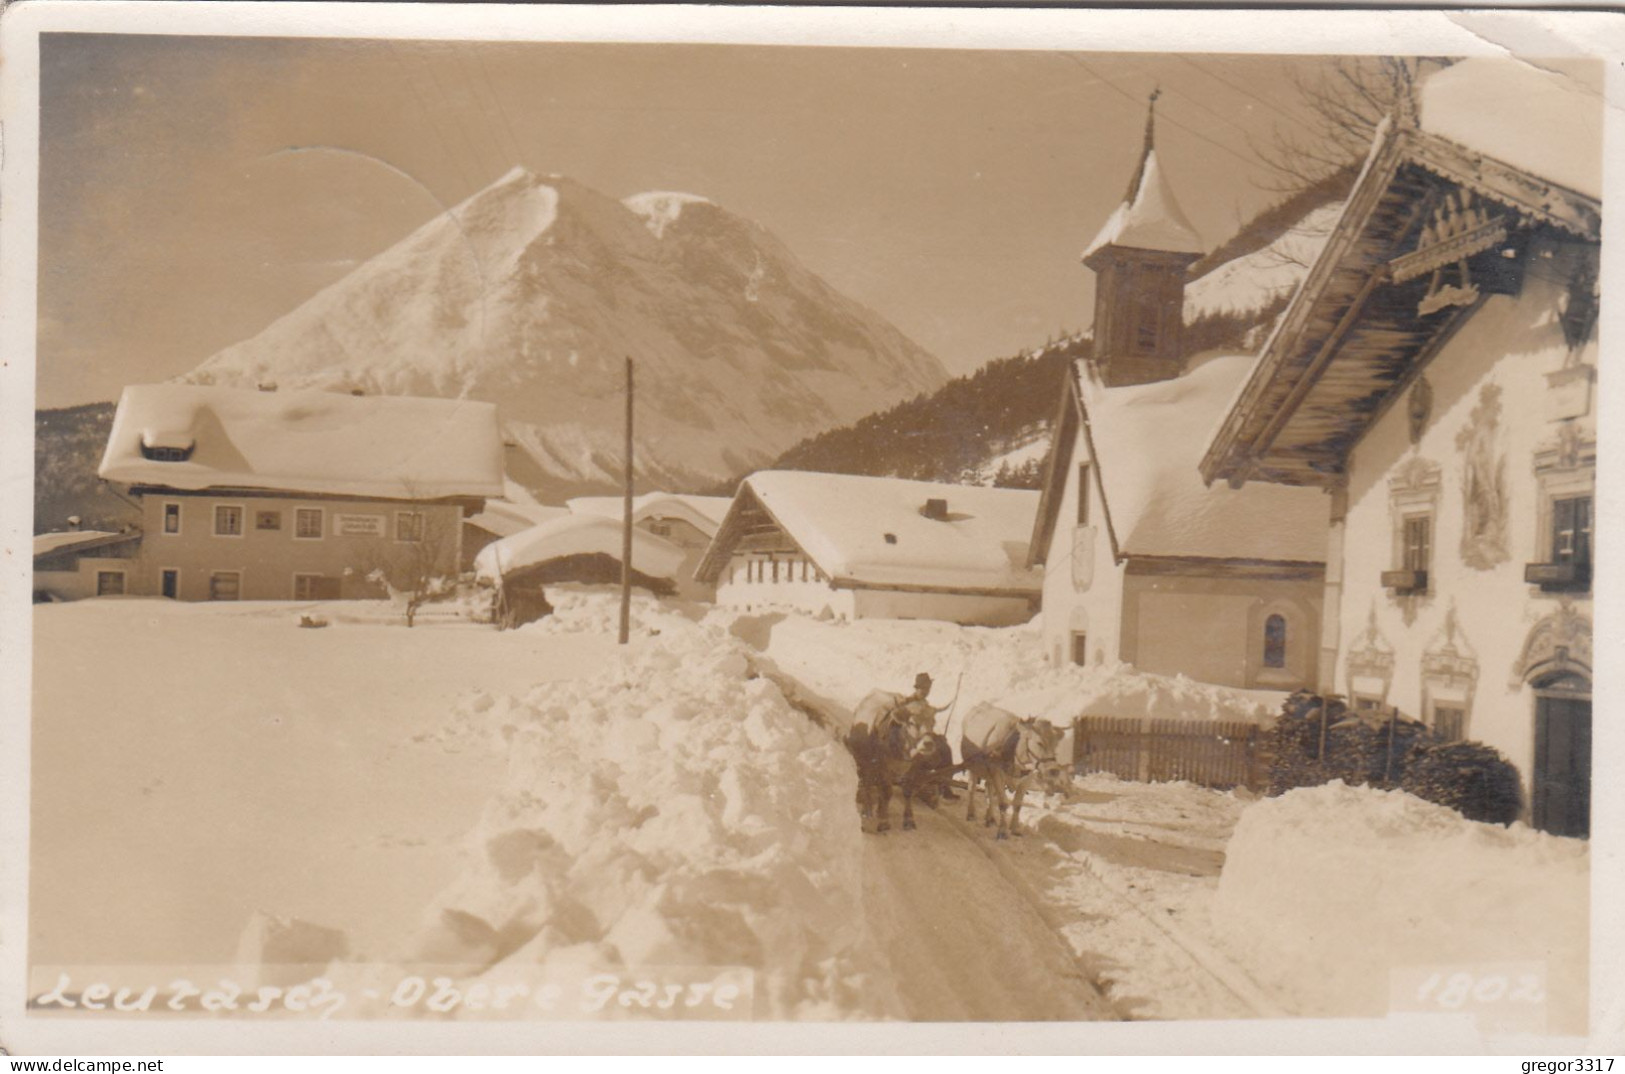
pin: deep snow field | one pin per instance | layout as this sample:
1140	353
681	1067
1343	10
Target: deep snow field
480	800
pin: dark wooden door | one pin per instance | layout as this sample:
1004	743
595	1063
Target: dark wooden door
171	583
1562	784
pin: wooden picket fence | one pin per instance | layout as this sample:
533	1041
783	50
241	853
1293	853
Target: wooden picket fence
1221	755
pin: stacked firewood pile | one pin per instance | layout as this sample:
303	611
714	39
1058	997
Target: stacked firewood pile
1319	739
1469	777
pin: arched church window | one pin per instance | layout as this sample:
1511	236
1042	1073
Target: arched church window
1275	641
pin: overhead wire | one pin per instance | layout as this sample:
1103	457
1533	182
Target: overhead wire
1251	163
474	67
430	116
461	128
1244	91
502	109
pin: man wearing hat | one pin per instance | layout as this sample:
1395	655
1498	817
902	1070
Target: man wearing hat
925	715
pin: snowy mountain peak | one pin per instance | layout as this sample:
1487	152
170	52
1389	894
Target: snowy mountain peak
532	292
661	208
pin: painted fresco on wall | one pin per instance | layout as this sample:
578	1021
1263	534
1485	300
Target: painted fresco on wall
1484	484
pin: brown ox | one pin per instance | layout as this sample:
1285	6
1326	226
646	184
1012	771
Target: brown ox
1005	751
892	741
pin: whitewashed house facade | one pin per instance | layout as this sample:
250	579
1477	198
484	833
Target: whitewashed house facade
1436	375
299	495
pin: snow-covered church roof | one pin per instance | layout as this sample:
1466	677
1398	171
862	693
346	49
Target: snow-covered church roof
196	437
1148	440
1149	218
875	531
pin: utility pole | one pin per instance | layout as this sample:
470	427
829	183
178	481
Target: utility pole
626	520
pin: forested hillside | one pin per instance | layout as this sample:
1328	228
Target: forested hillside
948	435
992	426
68	445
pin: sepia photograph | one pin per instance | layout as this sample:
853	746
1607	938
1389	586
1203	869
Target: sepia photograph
600	520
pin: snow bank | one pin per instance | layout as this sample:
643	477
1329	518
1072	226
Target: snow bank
1384	881
1005	666
671	811
588	609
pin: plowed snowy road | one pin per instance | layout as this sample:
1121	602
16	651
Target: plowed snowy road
964	943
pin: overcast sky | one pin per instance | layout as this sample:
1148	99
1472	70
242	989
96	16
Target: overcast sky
183	208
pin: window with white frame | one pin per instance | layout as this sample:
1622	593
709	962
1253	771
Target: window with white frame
1571	530
1566	472
172	518
226	585
309	523
1416	543
228	520
1413	498
268	520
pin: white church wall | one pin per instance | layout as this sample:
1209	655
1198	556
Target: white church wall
1083	585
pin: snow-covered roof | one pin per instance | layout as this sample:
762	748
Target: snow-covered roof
505	518
46	543
1148	440
1149	218
1539	118
869	531
577	535
392	447
705	513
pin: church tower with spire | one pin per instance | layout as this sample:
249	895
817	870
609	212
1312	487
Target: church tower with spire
1140	259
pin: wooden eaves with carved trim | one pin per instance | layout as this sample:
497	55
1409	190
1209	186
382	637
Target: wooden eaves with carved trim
1429	231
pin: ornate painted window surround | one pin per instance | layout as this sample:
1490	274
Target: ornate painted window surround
1413	492
1565	466
1449	674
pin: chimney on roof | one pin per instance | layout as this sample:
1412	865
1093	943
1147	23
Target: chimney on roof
74	523
936	510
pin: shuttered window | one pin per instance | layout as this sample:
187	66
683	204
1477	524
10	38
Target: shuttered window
1571	530
1418	542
